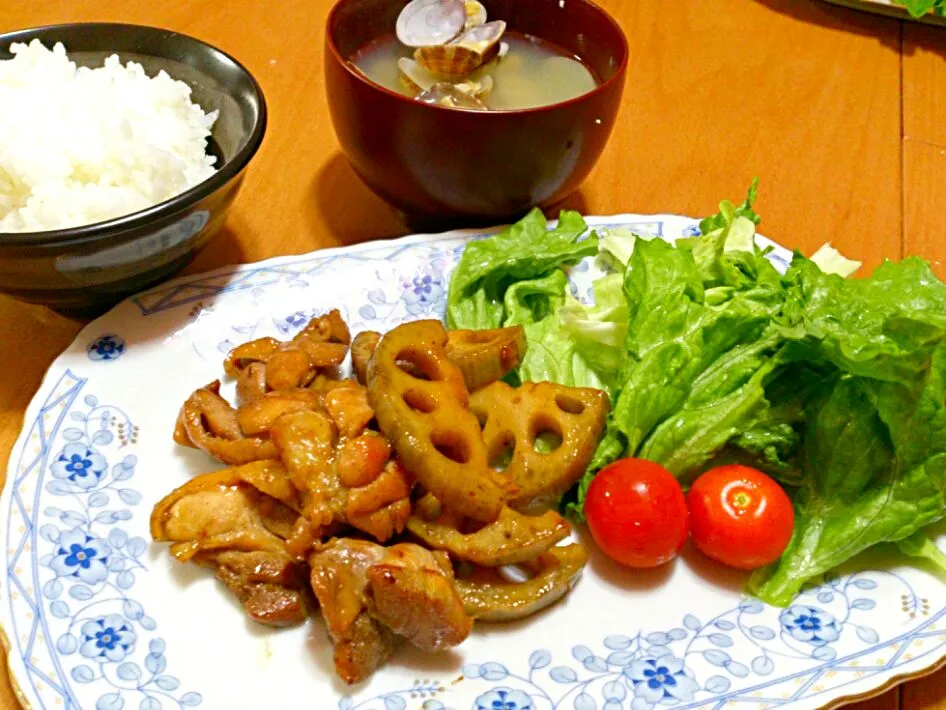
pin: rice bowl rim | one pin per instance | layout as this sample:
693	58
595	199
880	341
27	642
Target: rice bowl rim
227	171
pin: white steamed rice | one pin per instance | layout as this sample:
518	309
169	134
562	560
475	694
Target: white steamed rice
79	146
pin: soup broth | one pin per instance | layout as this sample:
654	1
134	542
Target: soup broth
531	73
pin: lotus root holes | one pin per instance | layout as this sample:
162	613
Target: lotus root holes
452	445
419	364
501	451
569	405
420	401
546	434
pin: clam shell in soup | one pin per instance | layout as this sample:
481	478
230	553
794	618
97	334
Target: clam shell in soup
424	23
465	54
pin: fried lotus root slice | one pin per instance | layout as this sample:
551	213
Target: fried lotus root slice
220	511
211	424
516	417
259	415
269	585
428	424
487	596
510	539
362	348
485	356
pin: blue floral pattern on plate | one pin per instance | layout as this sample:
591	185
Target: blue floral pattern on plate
96	625
83	634
106	347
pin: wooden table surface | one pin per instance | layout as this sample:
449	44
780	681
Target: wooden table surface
841	115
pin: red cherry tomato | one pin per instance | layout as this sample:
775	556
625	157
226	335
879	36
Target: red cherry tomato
740	517
637	513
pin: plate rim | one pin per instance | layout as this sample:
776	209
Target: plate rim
15	666
895	12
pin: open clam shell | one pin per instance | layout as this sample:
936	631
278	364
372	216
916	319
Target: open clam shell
449	95
478	88
465	54
414	77
475	14
416	80
424	23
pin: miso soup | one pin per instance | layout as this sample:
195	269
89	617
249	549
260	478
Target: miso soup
529	73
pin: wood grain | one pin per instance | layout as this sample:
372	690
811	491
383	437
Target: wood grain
924	168
924	203
925	694
805	95
924	73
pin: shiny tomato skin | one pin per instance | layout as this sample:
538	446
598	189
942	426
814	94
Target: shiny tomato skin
740	516
637	513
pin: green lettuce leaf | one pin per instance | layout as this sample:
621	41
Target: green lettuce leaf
517	278
618	243
552	354
728	211
526	250
918	8
725	399
920	546
874	449
831	261
696	361
598	331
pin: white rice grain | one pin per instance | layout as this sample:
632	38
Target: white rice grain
79	145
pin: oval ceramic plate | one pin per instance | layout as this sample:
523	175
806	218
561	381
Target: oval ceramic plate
96	616
891	9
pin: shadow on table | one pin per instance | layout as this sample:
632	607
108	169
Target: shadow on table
575	201
345	206
51	332
224	250
824	14
352	213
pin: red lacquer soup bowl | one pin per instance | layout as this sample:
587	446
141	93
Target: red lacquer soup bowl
449	164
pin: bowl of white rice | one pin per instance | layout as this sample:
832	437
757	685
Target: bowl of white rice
121	149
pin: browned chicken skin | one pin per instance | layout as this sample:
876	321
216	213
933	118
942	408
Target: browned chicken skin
258	416
351	481
219	521
308	468
269	585
364	589
208	422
